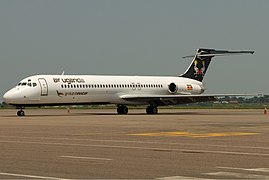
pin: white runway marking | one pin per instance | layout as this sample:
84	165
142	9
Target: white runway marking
259	169
90	158
32	176
245	169
238	175
140	142
140	148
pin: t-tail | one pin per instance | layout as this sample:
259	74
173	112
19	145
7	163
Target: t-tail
202	59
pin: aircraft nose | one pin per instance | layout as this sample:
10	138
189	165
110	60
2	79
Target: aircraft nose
7	97
10	96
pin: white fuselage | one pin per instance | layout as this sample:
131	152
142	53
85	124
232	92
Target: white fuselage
95	89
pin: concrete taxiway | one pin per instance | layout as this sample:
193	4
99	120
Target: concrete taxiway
94	144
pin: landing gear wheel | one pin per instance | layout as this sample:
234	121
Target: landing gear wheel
122	109
152	110
20	113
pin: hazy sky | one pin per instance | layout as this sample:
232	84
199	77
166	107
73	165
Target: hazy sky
135	37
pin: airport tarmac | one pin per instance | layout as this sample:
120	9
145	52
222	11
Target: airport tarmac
99	144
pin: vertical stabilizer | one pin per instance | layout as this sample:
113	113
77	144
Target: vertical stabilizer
202	59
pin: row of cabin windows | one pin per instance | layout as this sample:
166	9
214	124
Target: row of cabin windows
111	85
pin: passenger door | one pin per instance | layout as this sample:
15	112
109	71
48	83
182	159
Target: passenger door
44	86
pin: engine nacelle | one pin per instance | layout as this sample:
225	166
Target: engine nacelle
188	88
194	88
172	88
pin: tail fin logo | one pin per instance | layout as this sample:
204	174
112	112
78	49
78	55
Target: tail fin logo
199	68
199	65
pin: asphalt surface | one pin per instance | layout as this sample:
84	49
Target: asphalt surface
99	144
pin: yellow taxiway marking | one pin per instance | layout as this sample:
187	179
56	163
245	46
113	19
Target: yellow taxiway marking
196	135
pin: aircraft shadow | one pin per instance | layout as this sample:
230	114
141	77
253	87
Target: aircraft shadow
129	114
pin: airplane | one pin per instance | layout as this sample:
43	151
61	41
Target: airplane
154	91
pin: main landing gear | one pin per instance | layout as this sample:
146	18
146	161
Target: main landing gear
122	109
152	110
21	112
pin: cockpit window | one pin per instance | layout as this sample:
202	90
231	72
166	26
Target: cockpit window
28	84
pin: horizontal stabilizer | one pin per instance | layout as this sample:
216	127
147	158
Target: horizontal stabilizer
213	52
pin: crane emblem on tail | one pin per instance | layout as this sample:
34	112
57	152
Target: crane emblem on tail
199	68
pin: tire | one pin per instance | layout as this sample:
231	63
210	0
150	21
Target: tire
122	110
148	110
20	113
152	110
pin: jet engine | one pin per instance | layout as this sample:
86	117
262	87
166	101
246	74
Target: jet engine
172	88
187	88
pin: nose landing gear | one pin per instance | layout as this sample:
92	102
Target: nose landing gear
21	112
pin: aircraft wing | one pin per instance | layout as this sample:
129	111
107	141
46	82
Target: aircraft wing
176	99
